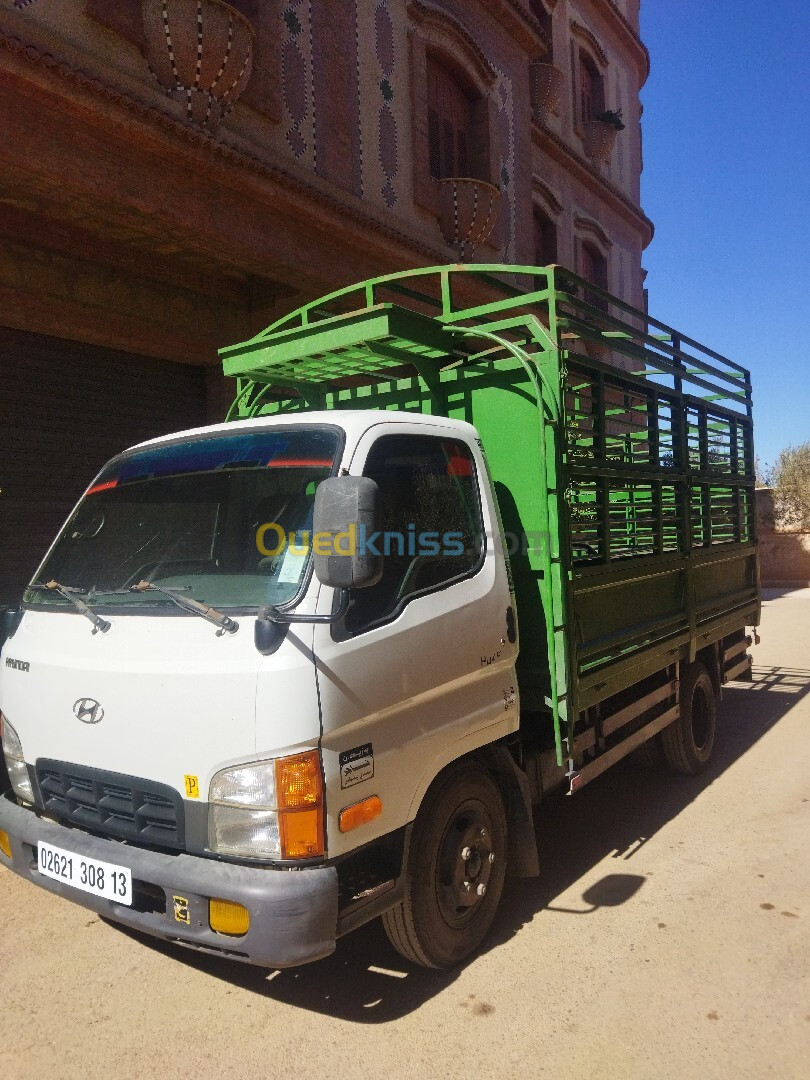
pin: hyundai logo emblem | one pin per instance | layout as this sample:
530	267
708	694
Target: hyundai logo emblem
88	710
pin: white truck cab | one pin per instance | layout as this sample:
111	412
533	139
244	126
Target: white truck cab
220	748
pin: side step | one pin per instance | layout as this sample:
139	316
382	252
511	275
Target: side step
736	666
595	768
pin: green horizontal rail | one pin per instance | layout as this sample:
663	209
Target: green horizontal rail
358	332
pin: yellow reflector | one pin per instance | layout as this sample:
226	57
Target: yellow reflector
298	781
5	844
360	814
301	833
225	917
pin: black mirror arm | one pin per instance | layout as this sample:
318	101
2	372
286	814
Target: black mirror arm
272	614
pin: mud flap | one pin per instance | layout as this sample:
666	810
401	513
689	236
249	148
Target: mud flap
522	860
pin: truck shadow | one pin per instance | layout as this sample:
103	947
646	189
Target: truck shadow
618	814
365	981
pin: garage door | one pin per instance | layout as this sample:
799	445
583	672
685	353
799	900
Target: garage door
65	409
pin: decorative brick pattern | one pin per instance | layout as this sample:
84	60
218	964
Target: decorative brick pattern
297	80
384	38
358	65
387	124
384	101
621	150
505	179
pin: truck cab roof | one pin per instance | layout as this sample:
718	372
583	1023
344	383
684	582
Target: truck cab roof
353	421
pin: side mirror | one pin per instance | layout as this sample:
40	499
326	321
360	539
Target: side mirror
347	512
10	619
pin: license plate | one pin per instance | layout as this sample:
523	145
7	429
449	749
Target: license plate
91	876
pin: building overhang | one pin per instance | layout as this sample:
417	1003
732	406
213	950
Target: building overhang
93	170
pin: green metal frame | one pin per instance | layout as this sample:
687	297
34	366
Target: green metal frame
623	446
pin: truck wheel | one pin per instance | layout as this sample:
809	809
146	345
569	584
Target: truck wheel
688	742
455	872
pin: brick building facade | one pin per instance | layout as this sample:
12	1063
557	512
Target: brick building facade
302	145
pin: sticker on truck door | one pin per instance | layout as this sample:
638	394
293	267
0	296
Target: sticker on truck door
356	765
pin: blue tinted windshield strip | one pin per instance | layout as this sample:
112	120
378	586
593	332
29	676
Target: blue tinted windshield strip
258	450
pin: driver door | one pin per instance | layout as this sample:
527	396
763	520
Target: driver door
421	669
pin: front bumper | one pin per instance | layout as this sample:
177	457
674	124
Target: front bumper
293	913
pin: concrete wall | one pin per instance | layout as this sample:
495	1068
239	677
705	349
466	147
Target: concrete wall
784	556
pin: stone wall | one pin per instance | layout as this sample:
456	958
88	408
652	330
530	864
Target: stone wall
784	556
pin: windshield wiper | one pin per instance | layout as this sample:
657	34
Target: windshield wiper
73	595
226	624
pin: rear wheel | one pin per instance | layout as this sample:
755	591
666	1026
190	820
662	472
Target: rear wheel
455	872
688	742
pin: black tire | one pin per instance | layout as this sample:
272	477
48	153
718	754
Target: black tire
688	742
458	840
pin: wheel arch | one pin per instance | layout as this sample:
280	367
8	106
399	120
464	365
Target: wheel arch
513	785
710	658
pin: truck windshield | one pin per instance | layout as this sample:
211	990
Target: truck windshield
226	519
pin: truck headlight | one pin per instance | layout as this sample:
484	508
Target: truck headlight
15	762
270	810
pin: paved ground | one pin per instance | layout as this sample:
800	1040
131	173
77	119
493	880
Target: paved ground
667	937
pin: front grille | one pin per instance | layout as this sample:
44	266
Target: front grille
125	807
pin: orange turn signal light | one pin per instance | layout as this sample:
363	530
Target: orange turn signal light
299	794
5	844
226	917
301	833
298	781
360	813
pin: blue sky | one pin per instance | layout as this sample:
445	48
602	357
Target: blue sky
727	183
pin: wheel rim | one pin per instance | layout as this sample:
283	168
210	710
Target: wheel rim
701	718
466	860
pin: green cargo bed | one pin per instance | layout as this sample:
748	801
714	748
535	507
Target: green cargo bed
621	453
